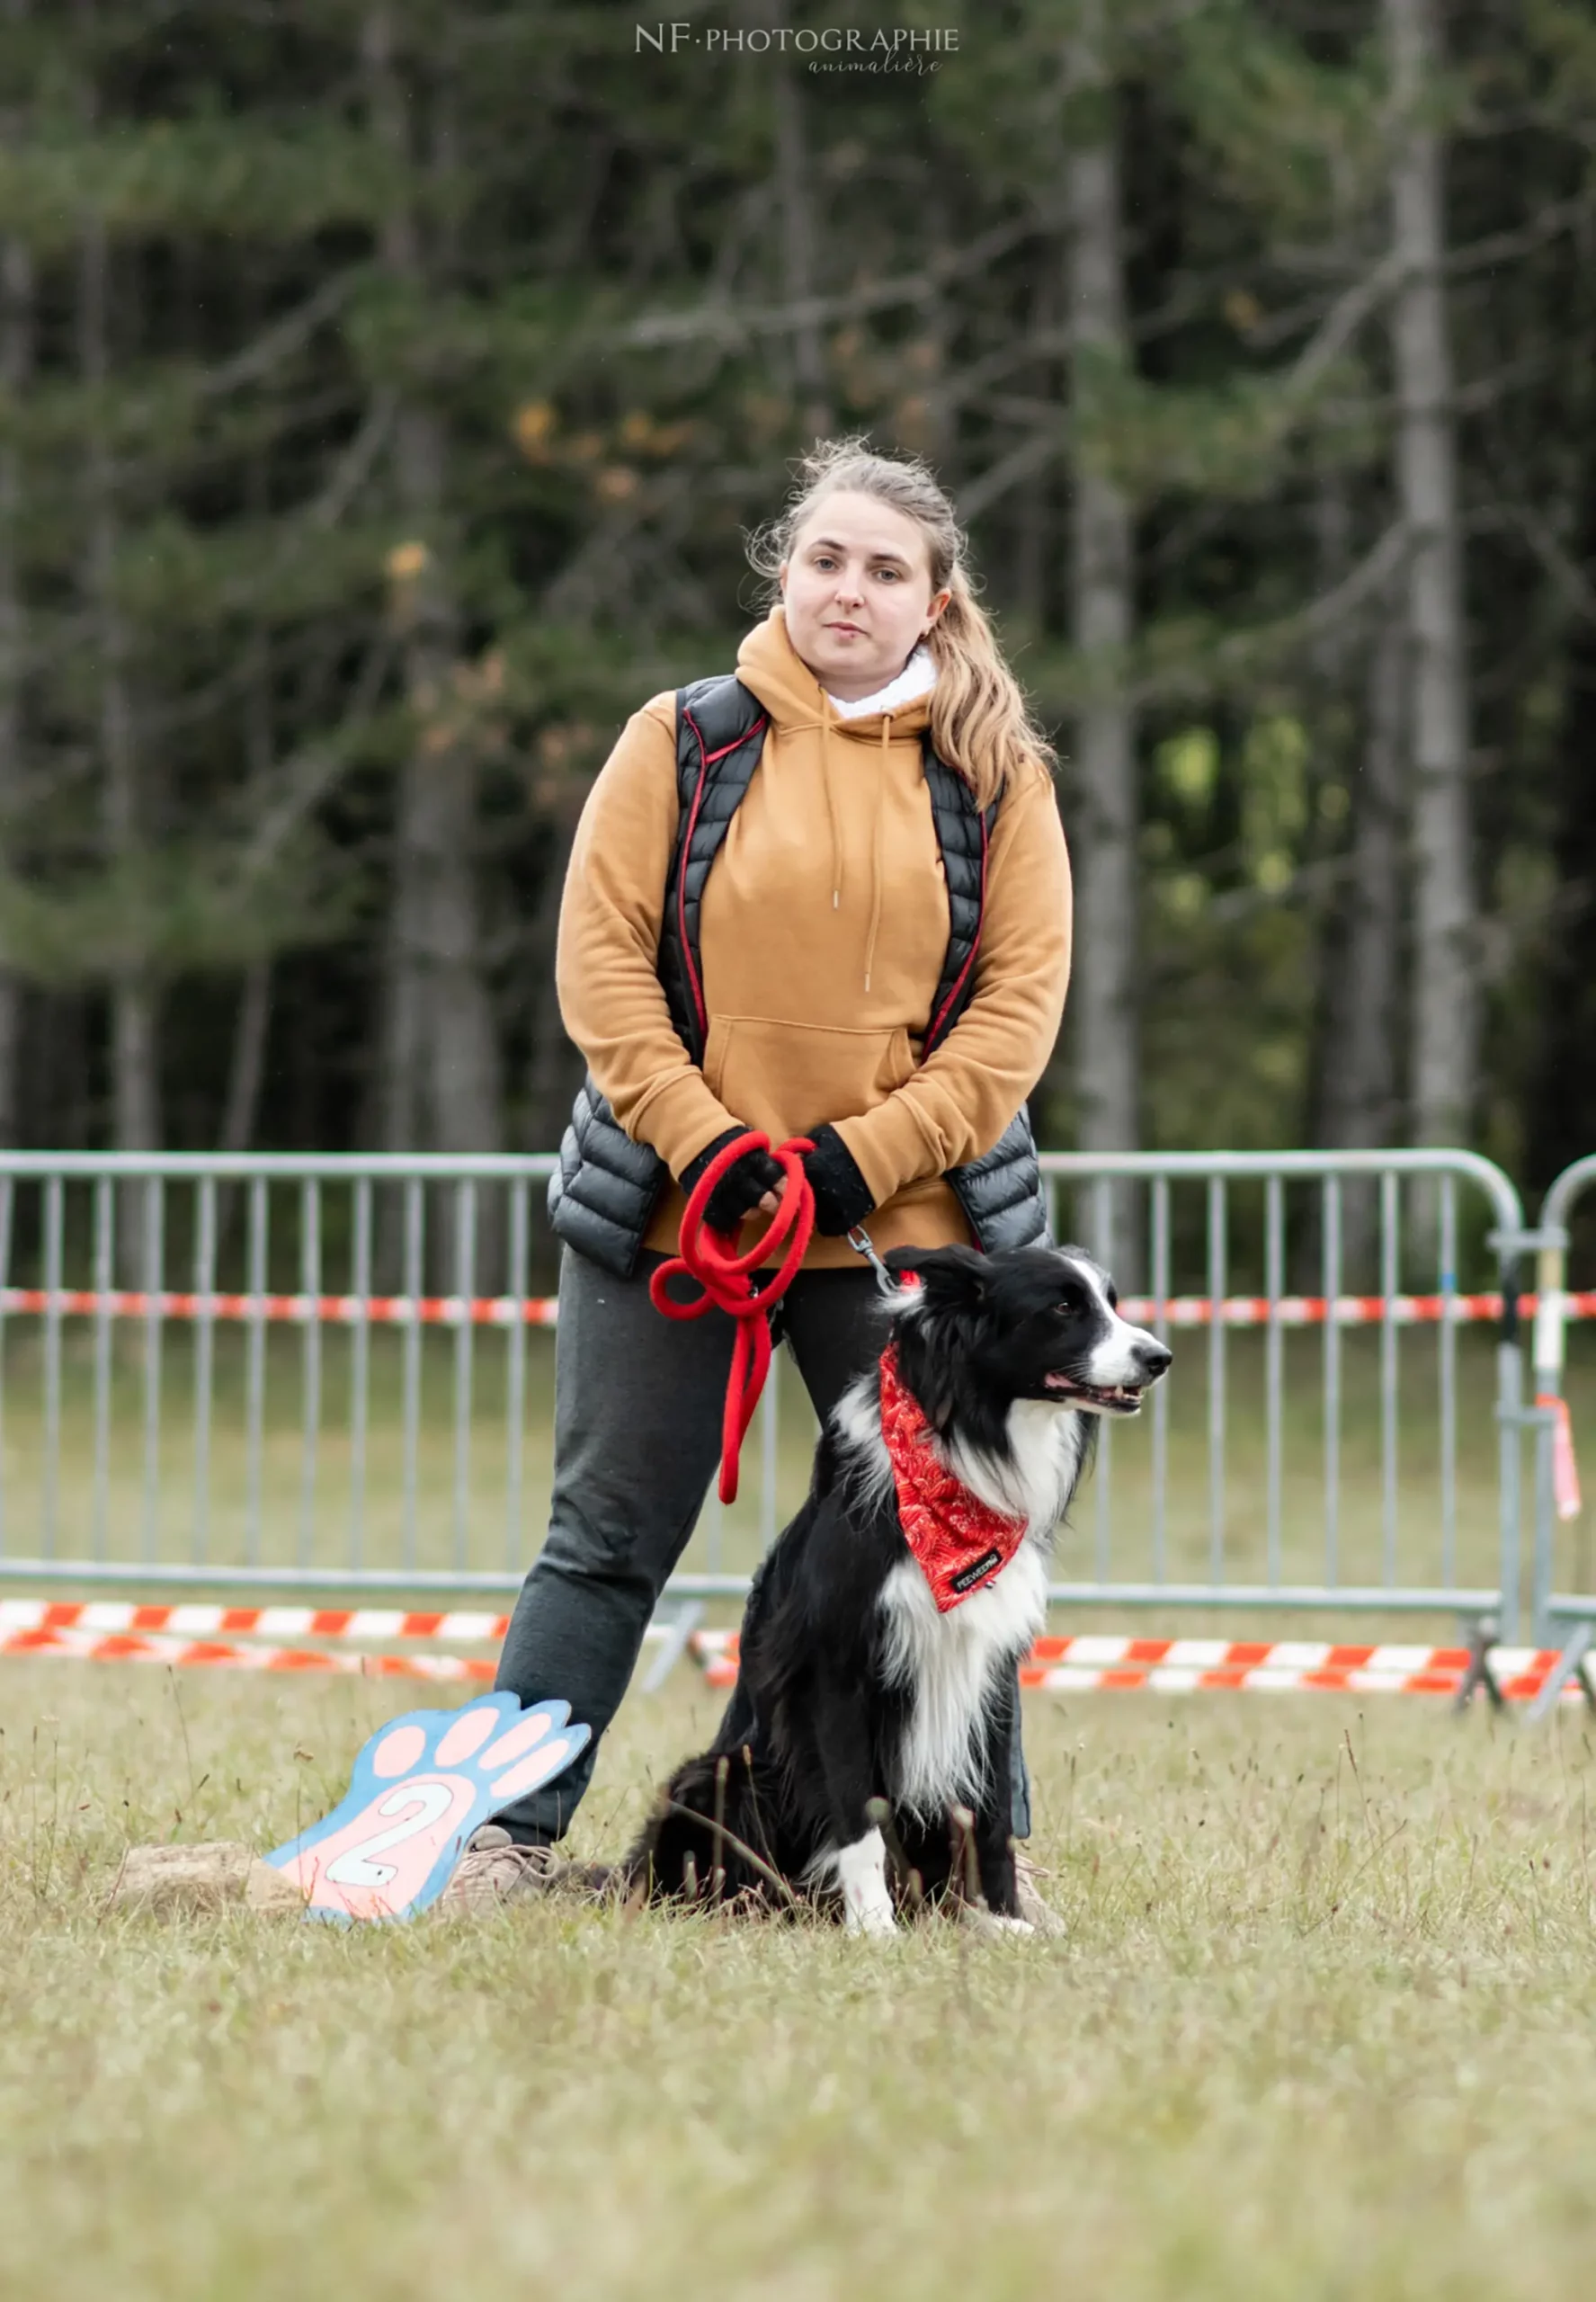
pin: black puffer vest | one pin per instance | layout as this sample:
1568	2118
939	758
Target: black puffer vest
602	1197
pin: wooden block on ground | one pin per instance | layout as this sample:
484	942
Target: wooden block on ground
178	1879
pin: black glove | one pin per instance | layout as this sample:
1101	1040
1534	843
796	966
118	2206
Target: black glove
842	1197
740	1188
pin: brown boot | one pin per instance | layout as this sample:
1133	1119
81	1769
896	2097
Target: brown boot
1028	1894
494	1869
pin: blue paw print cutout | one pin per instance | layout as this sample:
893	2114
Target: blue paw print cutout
420	1788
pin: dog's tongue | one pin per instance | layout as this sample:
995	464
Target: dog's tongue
1067	1385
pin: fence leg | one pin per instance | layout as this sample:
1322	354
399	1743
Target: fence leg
1482	1638
1569	1664
680	1628
1510	1410
1545	1523
1550	1316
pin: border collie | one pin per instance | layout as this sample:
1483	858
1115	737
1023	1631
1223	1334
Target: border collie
877	1690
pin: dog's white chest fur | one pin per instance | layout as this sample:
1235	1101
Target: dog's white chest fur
948	1663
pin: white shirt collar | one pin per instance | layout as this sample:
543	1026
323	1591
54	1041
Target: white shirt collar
918	676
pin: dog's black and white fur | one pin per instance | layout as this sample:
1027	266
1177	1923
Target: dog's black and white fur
852	1687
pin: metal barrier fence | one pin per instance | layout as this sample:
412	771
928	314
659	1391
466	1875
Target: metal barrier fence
1351	1508
1556	1484
273	1420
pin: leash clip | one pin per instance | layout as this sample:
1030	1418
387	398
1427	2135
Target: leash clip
861	1242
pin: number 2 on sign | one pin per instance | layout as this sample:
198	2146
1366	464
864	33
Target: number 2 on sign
428	1802
421	1785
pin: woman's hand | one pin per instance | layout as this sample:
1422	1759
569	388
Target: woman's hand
842	1197
754	1183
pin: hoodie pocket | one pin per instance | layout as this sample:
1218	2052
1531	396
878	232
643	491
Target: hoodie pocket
787	1078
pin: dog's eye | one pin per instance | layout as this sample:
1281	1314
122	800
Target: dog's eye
1068	1304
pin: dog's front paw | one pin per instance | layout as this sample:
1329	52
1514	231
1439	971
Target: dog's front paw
989	1923
874	1921
861	1871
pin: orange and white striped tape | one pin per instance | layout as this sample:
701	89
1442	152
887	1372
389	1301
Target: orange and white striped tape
1350	1310
298	1310
109	1617
543	1310
186	1635
1089	1663
186	1653
1565	1475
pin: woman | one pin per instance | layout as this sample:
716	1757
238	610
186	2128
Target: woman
830	898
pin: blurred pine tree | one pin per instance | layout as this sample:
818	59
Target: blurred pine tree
384	393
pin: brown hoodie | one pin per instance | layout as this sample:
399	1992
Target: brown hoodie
822	931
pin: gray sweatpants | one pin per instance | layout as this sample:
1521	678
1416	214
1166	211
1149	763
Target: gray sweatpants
638	1407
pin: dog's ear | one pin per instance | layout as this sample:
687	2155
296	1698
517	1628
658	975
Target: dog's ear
955	1279
903	1263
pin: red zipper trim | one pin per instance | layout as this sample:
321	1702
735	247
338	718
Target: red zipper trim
951	1000
758	728
693	815
706	762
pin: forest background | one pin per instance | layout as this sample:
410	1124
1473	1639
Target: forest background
386	386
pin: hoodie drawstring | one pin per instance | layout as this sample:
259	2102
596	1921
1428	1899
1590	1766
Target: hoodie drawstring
834	825
875	925
831	817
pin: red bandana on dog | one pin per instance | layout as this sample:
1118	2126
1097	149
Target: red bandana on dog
961	1543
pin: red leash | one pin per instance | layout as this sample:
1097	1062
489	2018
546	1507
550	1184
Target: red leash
710	1257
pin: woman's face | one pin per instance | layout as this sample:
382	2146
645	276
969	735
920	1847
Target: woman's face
857	592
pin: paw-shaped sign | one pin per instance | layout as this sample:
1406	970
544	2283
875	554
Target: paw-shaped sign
421	1785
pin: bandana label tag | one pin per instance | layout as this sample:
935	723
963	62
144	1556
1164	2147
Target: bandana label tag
977	1572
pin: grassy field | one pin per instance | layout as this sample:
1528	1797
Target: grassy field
1320	2028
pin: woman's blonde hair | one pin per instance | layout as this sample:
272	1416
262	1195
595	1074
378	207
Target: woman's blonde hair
980	722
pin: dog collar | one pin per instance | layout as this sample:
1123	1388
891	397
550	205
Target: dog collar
961	1543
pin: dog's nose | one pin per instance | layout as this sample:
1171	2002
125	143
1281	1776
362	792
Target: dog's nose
1151	1357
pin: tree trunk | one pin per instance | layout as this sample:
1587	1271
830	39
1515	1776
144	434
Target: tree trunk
1102	546
248	1070
1035	512
440	1042
795	193
1562	1101
16	349
1362	1105
246	1073
1444	1029
555	1071
442	1084
445	997
136	1101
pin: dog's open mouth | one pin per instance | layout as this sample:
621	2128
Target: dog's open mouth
1108	1398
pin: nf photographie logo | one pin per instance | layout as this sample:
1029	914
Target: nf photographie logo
823	48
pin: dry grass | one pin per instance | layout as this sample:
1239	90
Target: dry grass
1321	2027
